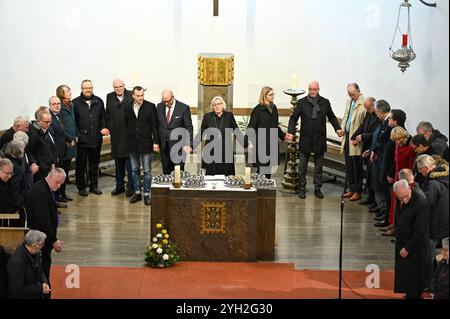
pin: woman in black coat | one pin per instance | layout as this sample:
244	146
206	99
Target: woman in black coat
222	126
265	116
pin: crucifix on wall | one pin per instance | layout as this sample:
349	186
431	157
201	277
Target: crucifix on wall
216	8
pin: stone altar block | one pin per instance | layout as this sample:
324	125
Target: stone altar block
217	225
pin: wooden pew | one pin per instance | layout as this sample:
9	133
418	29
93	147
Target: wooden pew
11	237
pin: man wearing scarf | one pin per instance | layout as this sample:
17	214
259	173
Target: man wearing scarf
314	110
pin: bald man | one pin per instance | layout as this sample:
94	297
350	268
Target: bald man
173	114
412	249
115	121
314	110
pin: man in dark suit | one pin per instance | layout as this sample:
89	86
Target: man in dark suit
43	214
91	127
42	144
412	247
143	139
62	141
21	123
173	114
314	111
364	135
115	121
381	137
26	278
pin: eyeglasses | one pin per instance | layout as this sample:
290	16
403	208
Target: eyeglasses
217	104
46	122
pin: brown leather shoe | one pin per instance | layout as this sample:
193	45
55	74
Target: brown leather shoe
390	227
355	197
389	233
348	195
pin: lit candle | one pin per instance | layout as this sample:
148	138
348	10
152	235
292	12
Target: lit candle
405	40
294	81
248	171
177	174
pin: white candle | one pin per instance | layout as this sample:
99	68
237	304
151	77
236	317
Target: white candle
177	174
294	81
248	171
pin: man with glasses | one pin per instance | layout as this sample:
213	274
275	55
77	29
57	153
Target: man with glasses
314	110
26	277
91	127
42	145
172	115
7	204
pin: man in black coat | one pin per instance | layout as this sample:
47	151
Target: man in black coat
437	140
435	187
26	278
313	111
173	114
7	196
43	214
91	127
42	144
412	248
21	123
143	139
115	121
364	135
62	142
380	138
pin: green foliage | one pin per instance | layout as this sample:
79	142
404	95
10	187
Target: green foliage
161	252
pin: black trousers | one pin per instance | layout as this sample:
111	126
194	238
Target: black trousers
46	265
354	169
167	165
318	170
85	156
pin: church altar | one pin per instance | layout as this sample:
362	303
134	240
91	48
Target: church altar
217	223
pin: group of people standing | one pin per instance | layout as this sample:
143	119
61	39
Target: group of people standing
407	187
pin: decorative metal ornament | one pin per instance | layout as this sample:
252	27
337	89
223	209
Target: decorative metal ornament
406	53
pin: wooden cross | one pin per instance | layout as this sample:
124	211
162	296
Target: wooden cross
216	8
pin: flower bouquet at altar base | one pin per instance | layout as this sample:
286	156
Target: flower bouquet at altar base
161	252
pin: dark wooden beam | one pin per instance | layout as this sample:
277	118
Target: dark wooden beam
216	8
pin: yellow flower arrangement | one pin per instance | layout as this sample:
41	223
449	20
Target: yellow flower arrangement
161	252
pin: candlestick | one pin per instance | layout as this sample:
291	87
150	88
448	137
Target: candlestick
247	179
177	178
294	81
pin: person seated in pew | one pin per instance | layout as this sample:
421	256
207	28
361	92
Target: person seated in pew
26	278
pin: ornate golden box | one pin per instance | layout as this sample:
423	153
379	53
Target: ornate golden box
215	69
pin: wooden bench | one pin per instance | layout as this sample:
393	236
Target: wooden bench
11	237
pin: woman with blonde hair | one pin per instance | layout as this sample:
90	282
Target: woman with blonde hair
263	119
404	159
218	127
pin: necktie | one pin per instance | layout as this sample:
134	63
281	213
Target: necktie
168	116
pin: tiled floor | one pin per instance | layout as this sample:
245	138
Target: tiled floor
108	231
